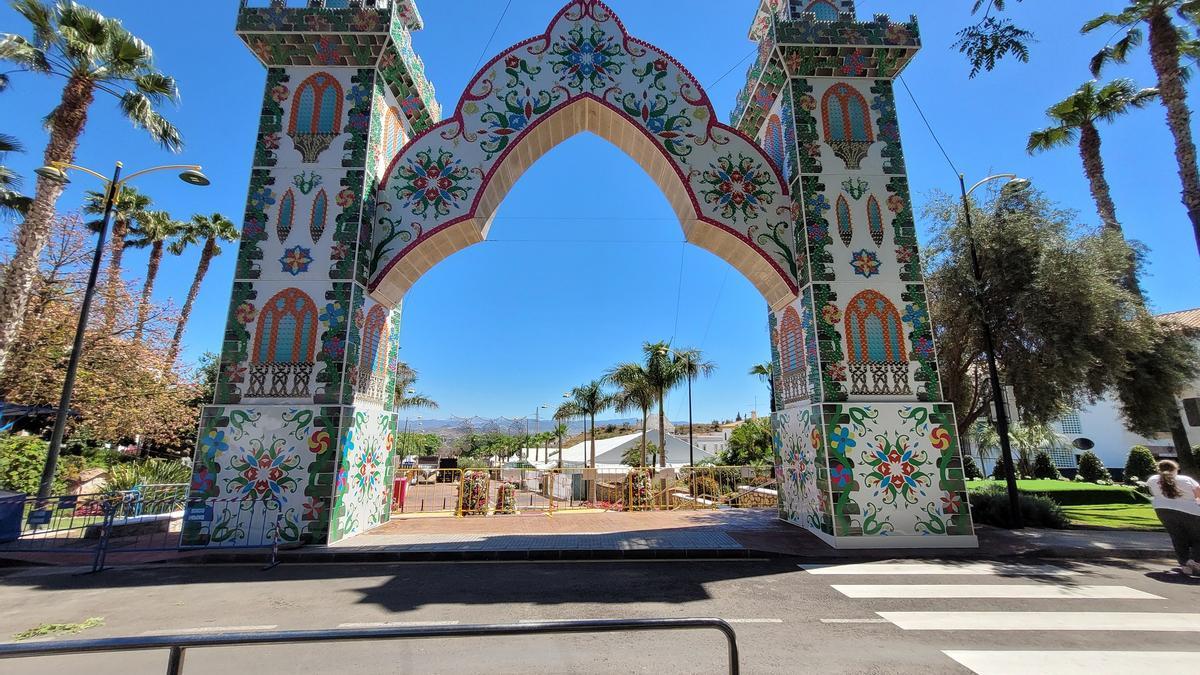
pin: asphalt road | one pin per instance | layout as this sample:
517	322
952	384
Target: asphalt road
878	619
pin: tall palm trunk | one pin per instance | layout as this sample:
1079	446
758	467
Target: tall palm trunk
116	253
662	433
68	122
143	314
1164	56
645	417
1093	168
206	257
593	416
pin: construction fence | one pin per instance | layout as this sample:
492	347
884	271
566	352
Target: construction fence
497	491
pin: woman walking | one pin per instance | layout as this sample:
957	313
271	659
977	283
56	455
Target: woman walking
1177	503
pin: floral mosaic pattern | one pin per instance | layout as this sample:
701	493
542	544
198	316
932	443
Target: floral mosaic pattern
363	486
585	52
263	472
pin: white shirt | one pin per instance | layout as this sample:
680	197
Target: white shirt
1186	501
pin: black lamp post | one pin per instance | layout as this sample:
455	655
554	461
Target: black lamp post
190	175
1010	477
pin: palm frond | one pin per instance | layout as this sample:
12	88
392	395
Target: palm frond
10	144
158	87
1050	138
20	51
41	18
139	110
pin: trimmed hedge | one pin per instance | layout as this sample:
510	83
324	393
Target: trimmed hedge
1071	494
990	507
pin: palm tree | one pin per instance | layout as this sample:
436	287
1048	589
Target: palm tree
1075	119
1168	43
153	230
763	372
406	398
129	206
210	230
664	375
94	54
589	400
691	364
634	393
12	203
560	432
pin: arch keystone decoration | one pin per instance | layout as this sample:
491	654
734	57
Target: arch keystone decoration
585	73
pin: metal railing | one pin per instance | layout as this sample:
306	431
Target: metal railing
177	645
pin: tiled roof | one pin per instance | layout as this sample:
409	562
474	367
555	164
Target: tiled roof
1187	317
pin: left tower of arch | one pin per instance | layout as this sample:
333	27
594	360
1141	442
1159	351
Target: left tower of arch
303	413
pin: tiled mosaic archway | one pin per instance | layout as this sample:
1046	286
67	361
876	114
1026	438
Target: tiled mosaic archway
585	73
805	193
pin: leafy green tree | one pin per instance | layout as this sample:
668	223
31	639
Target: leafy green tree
1074	121
1064	334
94	54
21	462
1169	43
749	444
559	432
153	230
690	363
763	372
210	230
971	469
587	401
1140	464
991	38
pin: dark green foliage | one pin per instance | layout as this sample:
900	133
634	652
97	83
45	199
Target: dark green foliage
1043	466
1065	333
990	507
970	468
749	444
991	39
21	461
998	469
1158	368
1140	464
1091	468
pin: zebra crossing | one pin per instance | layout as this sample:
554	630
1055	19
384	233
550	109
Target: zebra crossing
1053	598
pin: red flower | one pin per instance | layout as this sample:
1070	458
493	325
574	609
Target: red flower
280	93
660	65
245	312
345	198
895	203
270	141
512	62
951	503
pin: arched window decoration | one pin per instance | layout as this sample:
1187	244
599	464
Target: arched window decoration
875	220
793	375
875	346
316	115
824	10
320	214
844	224
774	145
284	345
373	358
287	216
846	120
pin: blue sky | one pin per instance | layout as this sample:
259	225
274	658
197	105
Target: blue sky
586	259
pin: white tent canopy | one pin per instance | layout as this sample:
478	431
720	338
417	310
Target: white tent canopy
609	452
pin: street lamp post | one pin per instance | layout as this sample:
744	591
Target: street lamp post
57	172
1010	477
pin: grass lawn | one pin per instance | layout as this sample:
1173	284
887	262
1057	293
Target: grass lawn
1124	516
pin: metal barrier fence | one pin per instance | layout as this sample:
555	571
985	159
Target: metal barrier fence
177	645
464	492
146	519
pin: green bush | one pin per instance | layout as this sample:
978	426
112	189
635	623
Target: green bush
971	469
1091	468
147	472
998	469
1043	466
1140	464
990	507
21	462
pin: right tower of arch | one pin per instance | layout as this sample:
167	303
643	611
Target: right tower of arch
866	451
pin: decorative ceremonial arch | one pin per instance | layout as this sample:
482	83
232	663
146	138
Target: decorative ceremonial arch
585	73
